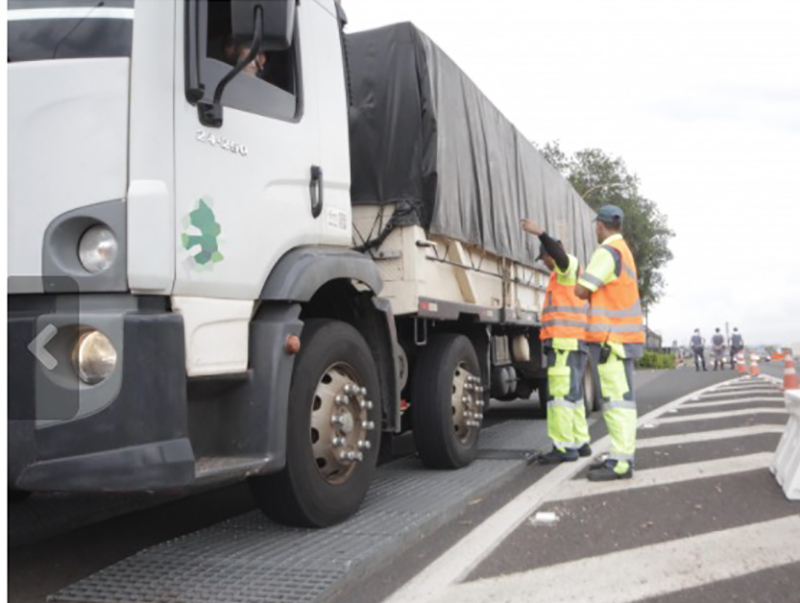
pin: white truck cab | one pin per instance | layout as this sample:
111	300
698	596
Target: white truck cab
188	300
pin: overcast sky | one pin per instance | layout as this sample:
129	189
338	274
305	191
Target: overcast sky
701	98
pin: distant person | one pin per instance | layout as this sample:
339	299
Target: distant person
737	345
718	343
564	337
616	336
698	350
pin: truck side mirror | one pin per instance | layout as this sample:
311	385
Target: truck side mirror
277	24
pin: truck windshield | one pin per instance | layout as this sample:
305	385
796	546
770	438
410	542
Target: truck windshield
40	30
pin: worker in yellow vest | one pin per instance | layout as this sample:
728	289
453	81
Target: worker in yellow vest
563	334
616	336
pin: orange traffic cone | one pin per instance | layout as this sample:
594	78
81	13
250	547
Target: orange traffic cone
754	366
741	367
790	380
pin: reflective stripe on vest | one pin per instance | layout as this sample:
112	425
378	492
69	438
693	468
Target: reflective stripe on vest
564	313
616	312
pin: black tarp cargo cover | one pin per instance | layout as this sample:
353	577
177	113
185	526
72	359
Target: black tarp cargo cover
424	137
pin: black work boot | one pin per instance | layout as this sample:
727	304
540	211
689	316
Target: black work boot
556	456
585	450
606	473
599	462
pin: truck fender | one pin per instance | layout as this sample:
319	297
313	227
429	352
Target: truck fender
301	272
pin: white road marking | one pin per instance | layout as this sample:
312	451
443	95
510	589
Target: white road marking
722	415
771	391
702	404
664	476
457	562
644	572
707	436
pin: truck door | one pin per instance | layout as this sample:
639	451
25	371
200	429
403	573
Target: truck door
245	189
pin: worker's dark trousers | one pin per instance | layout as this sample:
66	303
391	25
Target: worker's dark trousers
734	351
699	357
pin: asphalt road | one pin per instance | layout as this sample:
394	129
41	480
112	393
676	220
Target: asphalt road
703	520
654	389
39	569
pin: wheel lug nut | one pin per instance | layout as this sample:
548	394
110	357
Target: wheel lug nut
337	420
343	455
337	441
351	456
369	425
363	391
359	456
364	445
340	400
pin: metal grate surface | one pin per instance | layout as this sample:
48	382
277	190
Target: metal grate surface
249	559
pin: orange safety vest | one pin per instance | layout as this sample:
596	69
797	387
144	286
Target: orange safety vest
615	314
564	313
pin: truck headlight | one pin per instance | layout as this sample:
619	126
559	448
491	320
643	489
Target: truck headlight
97	249
94	357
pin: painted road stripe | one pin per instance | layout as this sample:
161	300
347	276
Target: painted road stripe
664	476
742	385
767	391
702	404
772	392
645	572
708	436
721	415
458	561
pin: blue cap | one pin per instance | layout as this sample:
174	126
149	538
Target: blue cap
610	214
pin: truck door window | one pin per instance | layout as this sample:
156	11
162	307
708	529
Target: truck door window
268	86
69	29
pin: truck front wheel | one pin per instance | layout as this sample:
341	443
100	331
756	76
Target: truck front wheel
447	402
333	434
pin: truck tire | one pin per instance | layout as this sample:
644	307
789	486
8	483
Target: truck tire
591	387
588	391
543	389
333	431
445	426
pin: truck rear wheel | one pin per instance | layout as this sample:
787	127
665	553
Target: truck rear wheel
447	401
333	435
588	391
543	391
591	388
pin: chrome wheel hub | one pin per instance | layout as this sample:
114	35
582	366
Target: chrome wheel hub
466	402
340	423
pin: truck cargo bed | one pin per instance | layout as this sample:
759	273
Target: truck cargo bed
426	141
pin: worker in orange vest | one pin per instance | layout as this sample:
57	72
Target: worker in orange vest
563	334
616	336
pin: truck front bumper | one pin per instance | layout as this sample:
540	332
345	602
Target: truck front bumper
128	432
